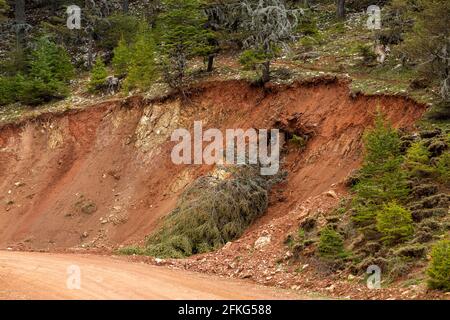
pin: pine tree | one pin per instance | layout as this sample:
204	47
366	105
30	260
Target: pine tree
183	35
49	74
122	58
50	55
142	69
268	25
439	268
394	222
98	76
381	178
331	244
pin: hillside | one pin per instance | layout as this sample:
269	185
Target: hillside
86	150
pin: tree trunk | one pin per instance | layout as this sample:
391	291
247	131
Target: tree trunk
19	11
90	57
125	6
54	7
265	72
210	63
341	9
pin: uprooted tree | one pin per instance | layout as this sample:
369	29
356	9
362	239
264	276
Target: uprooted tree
213	211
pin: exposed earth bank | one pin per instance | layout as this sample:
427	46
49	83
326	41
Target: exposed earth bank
102	177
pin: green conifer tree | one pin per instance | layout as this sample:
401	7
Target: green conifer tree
142	69
49	73
122	58
183	35
394	222
98	75
381	178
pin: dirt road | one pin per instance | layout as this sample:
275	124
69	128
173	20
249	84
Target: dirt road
27	275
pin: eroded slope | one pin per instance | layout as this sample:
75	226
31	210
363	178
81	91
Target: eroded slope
103	176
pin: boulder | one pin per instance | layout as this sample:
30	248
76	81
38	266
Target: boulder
262	242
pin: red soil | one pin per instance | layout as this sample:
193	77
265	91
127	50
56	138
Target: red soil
49	164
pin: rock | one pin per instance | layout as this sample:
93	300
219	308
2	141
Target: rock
227	245
19	184
85	234
330	288
332	194
159	261
88	207
112	84
262	242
